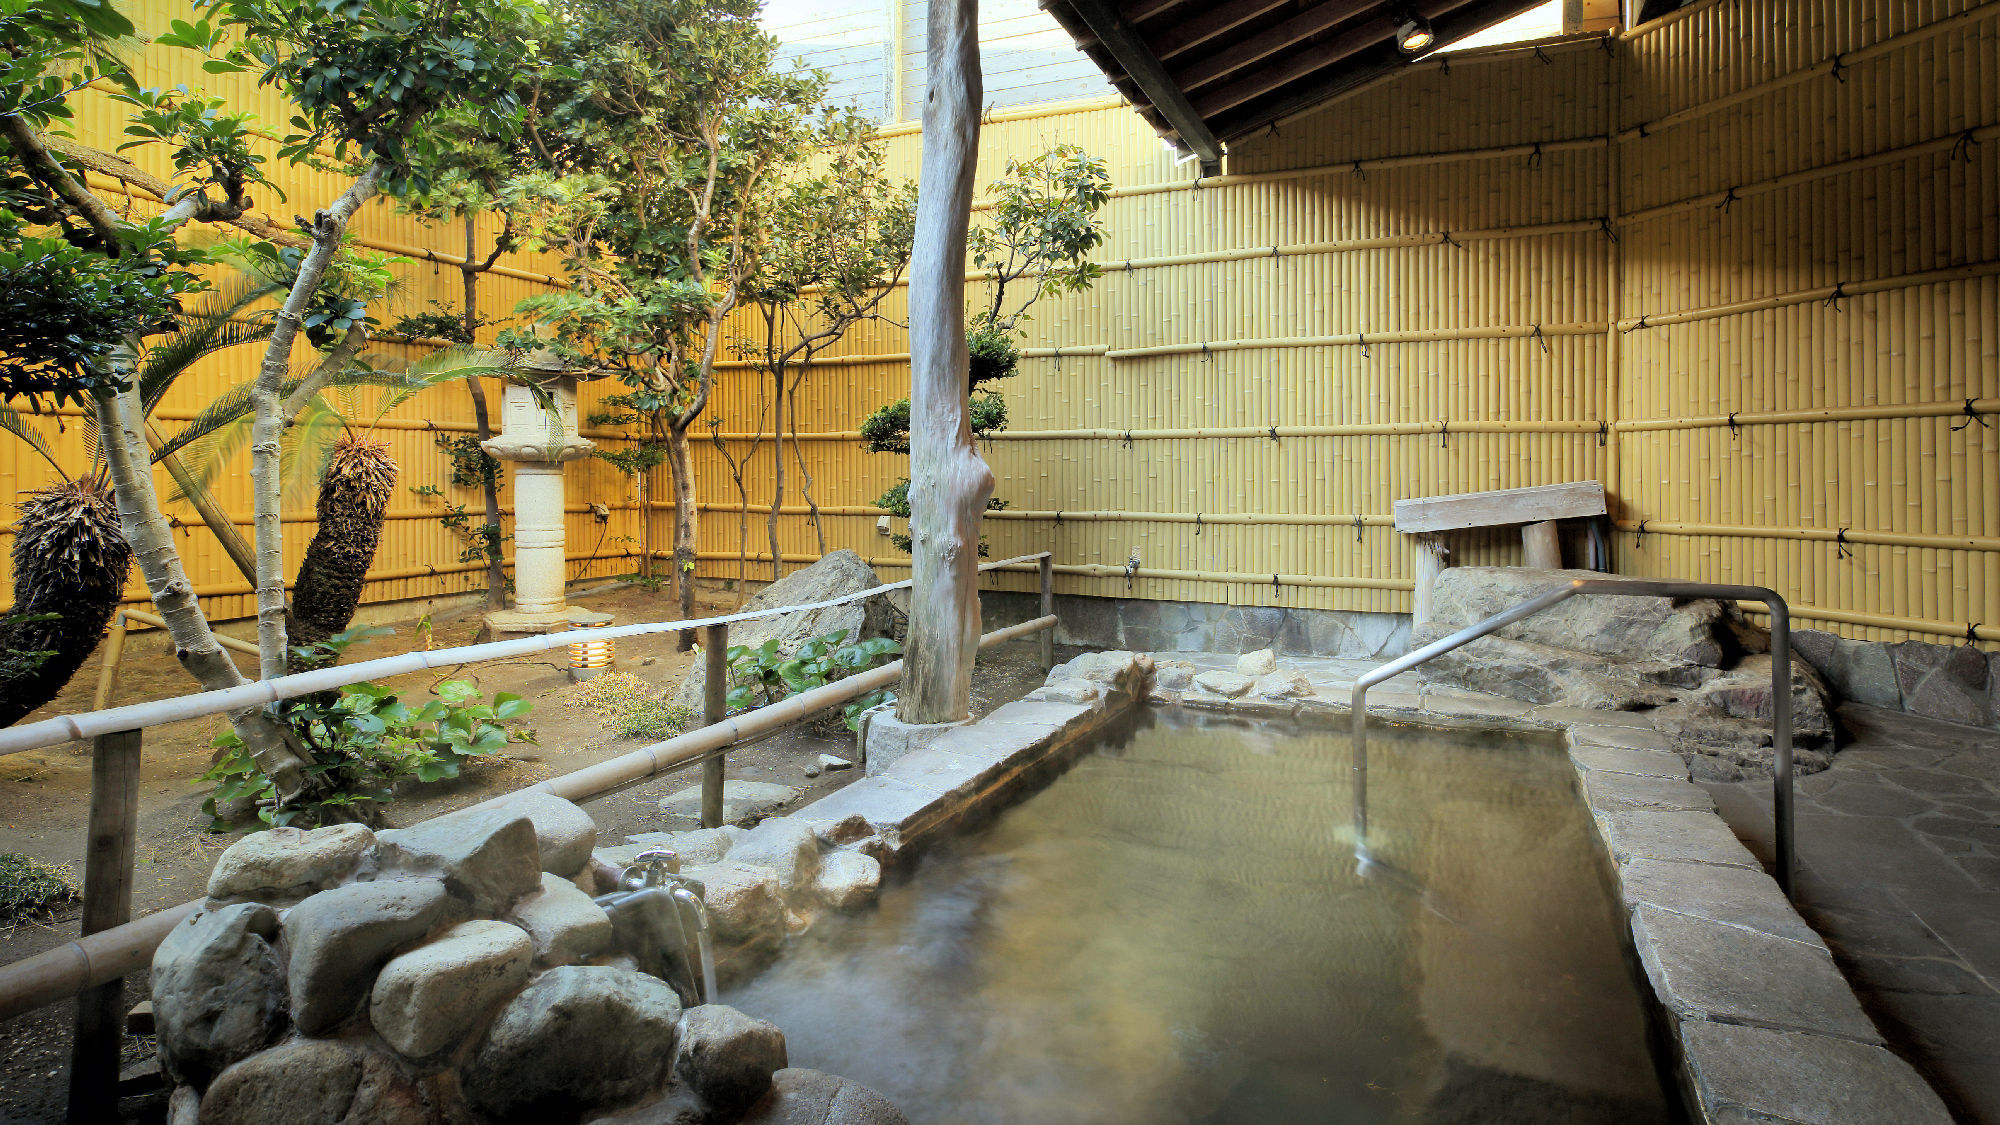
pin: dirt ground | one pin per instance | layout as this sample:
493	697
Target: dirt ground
44	795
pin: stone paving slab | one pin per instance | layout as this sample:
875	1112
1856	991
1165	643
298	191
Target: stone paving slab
1556	717
1707	970
1621	737
1681	837
1750	1074
1643	763
1621	792
1732	895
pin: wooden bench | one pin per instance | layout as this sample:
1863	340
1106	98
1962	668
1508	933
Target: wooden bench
1535	510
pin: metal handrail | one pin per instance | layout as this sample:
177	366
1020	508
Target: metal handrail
1781	687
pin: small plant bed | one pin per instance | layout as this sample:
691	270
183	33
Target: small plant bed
761	676
33	891
631	707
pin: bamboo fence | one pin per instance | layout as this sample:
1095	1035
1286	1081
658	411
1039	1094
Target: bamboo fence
1741	264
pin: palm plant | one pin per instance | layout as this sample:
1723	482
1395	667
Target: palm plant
70	562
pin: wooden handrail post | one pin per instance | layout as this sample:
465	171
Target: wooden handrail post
1048	638
107	902
714	708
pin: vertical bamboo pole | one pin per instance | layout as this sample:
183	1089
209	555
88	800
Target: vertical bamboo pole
1048	636
107	676
107	902
714	708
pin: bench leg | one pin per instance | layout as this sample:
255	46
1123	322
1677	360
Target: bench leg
1543	548
1431	553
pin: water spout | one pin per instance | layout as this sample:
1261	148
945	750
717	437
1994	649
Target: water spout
687	897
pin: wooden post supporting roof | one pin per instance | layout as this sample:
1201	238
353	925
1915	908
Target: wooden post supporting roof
1150	75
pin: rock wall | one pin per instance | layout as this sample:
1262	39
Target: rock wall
459	971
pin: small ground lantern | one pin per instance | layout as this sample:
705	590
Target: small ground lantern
591	652
538	433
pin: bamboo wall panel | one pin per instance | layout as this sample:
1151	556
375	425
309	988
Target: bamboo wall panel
418	558
1769	155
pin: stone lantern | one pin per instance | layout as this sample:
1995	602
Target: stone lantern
537	441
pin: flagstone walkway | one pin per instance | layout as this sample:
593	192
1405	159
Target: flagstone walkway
1899	870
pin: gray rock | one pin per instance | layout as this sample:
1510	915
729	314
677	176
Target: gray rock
700	846
1733	895
1228	684
1618	792
1173	675
1262	662
285	863
783	844
304	1082
1789	1076
744	903
218	990
1644	763
1695	631
840	833
563	924
488	857
1946	682
1864	671
1744	692
1537	673
579	1038
1066	691
848	880
834	762
1284	685
838	574
812	1097
388	1097
728	1058
340	938
740	799
184	1106
1707	970
428	999
564	833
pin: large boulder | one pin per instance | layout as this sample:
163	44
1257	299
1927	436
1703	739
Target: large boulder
579	1038
838	574
218	991
305	1082
1700	671
564	924
487	857
427	1000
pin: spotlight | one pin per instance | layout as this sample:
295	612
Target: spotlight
1413	31
592	655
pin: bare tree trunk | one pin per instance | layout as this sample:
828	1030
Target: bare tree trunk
496	565
805	474
268	427
777	466
152	542
949	482
685	526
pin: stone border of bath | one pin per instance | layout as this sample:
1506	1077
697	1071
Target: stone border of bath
1764	1026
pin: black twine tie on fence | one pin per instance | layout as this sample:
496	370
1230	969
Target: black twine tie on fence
1363	338
1604	224
1840	548
1537	337
1058	517
1274	433
1128	439
1834	298
1732	424
1839	68
1971	633
1971	416
1360	173
1444	65
1543	57
1535	158
1445	239
1639	537
1444	427
1962	147
1603	432
1637	324
432	255
1357	527
1728	197
1197	523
